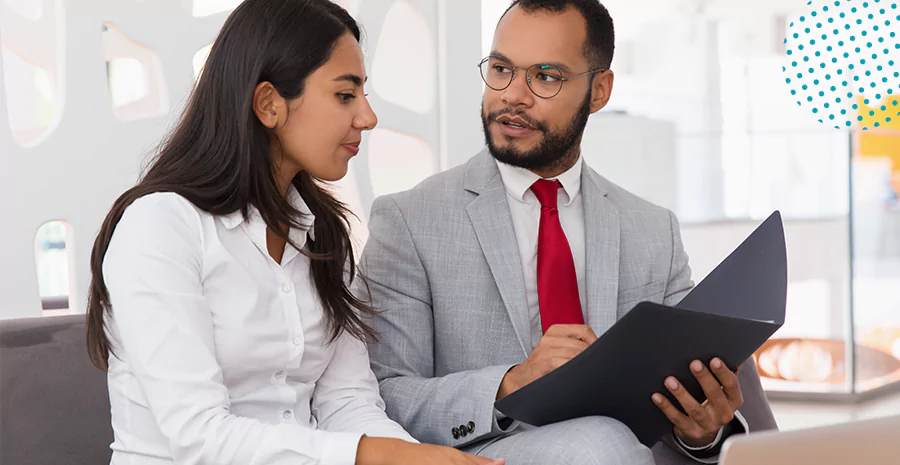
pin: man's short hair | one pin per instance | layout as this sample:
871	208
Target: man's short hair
600	43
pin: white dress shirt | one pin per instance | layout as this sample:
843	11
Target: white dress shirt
221	352
525	210
526	216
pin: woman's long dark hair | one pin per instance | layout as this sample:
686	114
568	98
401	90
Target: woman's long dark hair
218	156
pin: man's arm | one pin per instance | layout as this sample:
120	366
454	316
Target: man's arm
452	410
680	282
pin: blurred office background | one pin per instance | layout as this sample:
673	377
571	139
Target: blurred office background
701	121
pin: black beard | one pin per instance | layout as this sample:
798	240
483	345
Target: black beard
555	148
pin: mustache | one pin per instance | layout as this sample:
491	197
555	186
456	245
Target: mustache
492	116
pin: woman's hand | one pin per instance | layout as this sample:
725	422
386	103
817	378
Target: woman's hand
384	451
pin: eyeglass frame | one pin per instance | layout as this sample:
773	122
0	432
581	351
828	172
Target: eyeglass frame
512	78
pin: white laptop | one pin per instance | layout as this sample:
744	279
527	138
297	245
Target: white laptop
869	442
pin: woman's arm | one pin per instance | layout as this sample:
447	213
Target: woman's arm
346	397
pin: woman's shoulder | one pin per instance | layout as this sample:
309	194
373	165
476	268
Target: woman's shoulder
164	211
162	205
160	224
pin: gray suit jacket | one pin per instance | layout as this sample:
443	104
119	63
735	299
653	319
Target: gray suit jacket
443	268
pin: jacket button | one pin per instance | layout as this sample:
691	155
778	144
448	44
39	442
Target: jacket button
455	432
463	430
470	426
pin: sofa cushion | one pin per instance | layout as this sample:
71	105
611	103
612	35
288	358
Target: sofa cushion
54	403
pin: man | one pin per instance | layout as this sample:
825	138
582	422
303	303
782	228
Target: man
492	274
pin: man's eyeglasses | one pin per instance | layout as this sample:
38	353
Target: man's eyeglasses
545	81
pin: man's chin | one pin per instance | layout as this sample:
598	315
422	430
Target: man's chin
514	145
508	154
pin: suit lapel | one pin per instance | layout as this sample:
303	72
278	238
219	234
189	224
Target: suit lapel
490	216
601	234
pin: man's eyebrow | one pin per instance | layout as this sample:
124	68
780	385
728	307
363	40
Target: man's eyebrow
558	66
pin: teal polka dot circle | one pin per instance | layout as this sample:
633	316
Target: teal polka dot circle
851	41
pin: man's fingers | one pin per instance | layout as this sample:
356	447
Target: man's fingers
558	361
711	387
586	334
556	342
690	405
729	381
478	460
680	420
580	332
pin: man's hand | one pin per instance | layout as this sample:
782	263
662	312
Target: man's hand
559	344
702	423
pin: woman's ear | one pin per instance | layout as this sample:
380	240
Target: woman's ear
268	105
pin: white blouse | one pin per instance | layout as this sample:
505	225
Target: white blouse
221	352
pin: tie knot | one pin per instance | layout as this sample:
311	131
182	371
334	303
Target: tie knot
546	192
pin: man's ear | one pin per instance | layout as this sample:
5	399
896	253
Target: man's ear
601	87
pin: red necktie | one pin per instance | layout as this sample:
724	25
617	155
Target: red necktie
556	279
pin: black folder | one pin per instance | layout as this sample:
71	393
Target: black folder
729	315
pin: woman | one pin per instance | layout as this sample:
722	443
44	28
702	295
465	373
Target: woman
219	303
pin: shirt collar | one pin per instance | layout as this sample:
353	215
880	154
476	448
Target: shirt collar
518	181
234	219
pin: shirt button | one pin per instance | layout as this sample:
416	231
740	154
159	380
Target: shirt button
297	340
287	414
287	288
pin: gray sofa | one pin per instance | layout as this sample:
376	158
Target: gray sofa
54	405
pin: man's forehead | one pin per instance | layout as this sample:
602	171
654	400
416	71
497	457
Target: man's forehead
526	38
